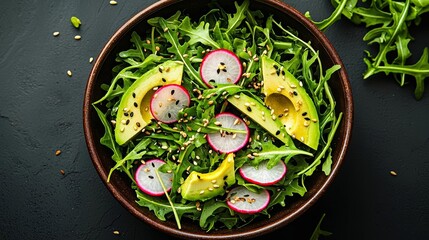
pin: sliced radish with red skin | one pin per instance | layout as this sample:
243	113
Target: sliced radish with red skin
242	200
168	101
261	175
220	66
147	180
228	142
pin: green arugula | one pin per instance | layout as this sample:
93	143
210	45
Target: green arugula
183	145
388	25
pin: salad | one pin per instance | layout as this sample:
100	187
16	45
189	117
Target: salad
218	119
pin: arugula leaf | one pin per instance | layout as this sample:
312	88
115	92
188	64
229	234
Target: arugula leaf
318	231
162	208
235	20
387	23
108	139
198	35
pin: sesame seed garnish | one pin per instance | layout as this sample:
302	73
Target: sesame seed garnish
116	232
393	173
237	96
69	73
217	123
91	59
77	37
58	152
56	34
201	192
113	2
62	172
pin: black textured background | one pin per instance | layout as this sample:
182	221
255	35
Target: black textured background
41	111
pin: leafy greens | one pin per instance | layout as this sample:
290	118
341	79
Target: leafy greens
183	145
387	22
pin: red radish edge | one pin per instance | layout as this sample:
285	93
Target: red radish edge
238	148
160	89
264	184
229	52
155	194
232	206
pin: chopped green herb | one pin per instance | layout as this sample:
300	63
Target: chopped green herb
75	22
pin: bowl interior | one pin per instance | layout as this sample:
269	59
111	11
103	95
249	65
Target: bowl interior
119	184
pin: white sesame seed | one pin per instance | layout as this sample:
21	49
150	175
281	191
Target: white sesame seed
69	73
77	37
91	59
56	34
113	2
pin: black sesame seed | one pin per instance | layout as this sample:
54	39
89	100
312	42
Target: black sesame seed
134	95
137	124
283	73
131	114
160	70
304	114
249	109
164	80
246	195
222	63
150	176
127	122
198	176
224	70
212	80
218	71
177	102
278	132
225	177
153	164
295	93
276	67
307	118
278	72
169	115
126	114
135	104
280	115
172	92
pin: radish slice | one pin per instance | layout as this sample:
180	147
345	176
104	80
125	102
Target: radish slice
168	101
241	200
147	179
220	66
262	175
228	142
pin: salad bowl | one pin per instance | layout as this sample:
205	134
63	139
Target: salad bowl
121	186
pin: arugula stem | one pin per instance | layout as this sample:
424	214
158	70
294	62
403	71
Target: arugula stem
392	38
179	226
327	146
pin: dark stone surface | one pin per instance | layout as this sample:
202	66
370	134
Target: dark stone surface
41	112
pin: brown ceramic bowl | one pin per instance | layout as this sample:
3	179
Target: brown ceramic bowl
119	184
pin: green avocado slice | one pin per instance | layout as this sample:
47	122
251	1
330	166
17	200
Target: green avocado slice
259	113
204	186
288	99
133	111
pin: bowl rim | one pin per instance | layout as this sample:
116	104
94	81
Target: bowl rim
95	158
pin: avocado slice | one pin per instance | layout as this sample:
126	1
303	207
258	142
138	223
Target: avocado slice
285	95
203	186
259	113
133	111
